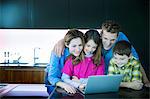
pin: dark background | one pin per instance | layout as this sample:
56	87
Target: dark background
132	15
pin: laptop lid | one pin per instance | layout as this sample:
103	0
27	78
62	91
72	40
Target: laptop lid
103	83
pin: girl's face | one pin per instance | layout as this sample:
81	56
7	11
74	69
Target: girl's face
75	46
90	47
121	60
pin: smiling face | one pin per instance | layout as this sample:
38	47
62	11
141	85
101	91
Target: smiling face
108	39
75	46
90	48
121	60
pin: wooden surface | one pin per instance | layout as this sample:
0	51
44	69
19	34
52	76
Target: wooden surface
21	74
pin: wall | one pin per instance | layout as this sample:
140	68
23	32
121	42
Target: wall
131	14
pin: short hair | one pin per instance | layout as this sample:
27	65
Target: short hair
122	48
95	36
71	34
111	26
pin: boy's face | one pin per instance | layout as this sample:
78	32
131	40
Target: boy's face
121	60
108	39
90	47
75	46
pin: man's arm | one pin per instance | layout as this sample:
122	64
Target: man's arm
59	48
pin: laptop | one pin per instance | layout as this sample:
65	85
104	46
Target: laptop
102	84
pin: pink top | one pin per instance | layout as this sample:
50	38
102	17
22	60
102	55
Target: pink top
84	69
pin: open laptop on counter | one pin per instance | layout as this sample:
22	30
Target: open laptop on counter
102	84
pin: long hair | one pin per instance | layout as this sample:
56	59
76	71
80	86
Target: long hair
71	34
95	36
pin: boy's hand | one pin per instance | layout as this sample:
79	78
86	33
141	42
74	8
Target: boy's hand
59	48
147	84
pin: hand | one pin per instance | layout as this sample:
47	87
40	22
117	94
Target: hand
147	84
68	88
59	48
74	78
82	86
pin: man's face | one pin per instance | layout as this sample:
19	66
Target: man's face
121	60
108	39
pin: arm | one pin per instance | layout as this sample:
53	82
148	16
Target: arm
145	79
66	79
136	85
59	48
54	73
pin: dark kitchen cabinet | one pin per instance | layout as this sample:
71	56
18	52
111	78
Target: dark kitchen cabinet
50	13
15	14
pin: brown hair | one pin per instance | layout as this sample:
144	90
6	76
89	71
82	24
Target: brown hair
122	48
111	26
95	36
71	34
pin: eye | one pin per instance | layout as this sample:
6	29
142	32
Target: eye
113	40
121	58
80	44
74	46
105	38
94	47
88	45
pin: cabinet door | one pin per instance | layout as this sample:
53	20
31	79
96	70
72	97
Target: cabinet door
22	75
15	14
50	13
86	13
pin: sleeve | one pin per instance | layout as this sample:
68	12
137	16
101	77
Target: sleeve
101	68
136	74
122	36
111	69
83	80
53	69
66	79
68	67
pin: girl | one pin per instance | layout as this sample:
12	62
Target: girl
93	63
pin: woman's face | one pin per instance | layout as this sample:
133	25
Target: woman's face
75	46
90	47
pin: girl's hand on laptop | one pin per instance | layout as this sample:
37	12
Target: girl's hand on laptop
82	86
74	78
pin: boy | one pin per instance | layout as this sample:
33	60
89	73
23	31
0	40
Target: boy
124	63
